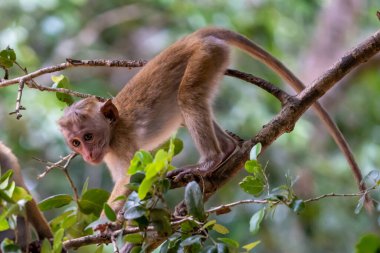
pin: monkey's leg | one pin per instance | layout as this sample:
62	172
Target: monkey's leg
204	69
195	172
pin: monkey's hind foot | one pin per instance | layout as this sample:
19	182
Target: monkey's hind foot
201	170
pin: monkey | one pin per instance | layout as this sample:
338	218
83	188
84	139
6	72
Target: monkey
8	161
175	88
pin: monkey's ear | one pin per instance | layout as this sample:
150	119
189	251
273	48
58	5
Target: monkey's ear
110	111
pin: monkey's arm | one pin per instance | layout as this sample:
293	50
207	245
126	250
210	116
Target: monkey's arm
119	189
9	161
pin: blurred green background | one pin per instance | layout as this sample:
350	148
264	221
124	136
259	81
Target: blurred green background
308	36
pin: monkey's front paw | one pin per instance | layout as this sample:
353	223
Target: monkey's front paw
194	172
184	174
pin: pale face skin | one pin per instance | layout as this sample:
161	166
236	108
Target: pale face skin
88	139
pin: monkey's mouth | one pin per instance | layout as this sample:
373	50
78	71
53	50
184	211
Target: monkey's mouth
94	159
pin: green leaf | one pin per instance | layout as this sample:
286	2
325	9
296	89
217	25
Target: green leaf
10	190
134	212
57	242
256	219
195	239
252	185
4	195
55	202
139	161
188	227
255	151
4	225
85	187
173	146
297	205
160	219
282	192
230	242
194	201
360	204
144	157
21	196
220	229
92	201
222	248
164	185
208	224
136	249
253	167
251	245
60	218
373	177
134	238
62	81
145	187
369	243
210	249
69	221
137	177
8	246
7	212
46	246
99	249
110	213
142	222
4	180
7	57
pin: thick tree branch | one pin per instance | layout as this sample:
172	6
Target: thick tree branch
278	93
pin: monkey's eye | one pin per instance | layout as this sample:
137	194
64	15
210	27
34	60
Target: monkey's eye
88	137
75	143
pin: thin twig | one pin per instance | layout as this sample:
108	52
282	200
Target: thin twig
19	107
278	93
114	243
226	207
62	164
66	172
332	194
281	95
59	164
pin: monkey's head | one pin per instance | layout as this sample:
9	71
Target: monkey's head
86	126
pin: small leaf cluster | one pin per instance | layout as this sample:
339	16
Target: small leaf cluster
62	81
7	58
146	205
372	180
256	184
194	234
77	216
12	204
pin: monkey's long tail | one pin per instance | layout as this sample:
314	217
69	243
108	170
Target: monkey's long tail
257	52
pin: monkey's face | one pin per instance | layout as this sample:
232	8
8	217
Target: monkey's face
89	139
86	126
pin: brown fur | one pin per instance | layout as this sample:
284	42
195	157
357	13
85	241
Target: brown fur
176	87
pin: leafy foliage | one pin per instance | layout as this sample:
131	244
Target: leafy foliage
62	81
7	58
369	243
12	202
